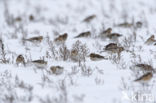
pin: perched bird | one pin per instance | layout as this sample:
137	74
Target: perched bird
145	67
125	24
114	36
145	78
84	34
61	38
89	18
40	63
96	57
113	48
74	55
31	17
37	39
138	24
18	19
151	40
105	33
20	60
56	69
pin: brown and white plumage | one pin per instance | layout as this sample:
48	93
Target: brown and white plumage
145	67
114	36
145	78
105	33
61	38
84	34
125	24
40	63
96	57
139	24
89	18
112	47
57	69
31	17
151	40
18	19
20	60
74	55
37	39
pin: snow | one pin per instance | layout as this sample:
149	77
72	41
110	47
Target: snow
106	80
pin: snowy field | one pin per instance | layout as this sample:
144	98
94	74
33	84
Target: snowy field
67	72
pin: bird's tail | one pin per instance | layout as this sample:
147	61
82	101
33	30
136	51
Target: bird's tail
136	80
76	37
26	39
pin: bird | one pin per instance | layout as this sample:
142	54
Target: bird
56	70
36	40
96	57
84	34
20	60
40	63
74	55
151	40
18	19
114	36
89	18
144	78
125	24
113	48
139	24
144	67
31	17
105	33
61	38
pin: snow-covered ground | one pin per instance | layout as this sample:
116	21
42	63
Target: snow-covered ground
104	81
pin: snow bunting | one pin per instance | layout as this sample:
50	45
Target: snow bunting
36	40
18	19
74	55
106	32
84	34
145	78
145	67
31	17
139	24
96	57
61	38
20	60
56	69
125	24
112	47
89	18
151	40
114	36
40	63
